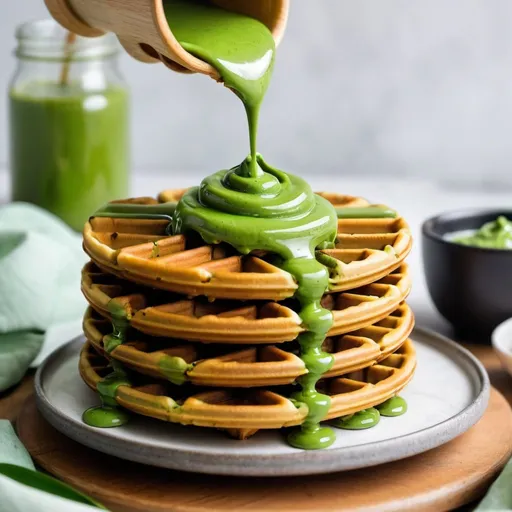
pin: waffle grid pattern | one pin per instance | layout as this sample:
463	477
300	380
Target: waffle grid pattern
212	334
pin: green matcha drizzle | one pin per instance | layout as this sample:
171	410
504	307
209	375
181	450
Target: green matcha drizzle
162	211
395	406
175	369
137	211
366	212
120	324
358	421
109	414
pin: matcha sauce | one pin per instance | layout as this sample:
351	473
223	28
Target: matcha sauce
120	324
492	235
395	406
109	414
358	421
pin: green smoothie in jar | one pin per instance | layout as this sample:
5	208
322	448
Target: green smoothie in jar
69	138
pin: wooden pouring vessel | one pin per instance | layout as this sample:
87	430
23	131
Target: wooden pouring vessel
142	28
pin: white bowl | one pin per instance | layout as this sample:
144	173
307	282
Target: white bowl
502	343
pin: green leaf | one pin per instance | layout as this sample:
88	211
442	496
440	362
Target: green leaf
11	449
17	350
46	483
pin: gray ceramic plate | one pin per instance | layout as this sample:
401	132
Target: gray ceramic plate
448	394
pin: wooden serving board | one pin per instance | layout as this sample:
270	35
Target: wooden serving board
441	479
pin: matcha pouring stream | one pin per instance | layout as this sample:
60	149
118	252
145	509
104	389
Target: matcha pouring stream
254	206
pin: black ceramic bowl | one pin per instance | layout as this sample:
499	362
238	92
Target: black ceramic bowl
471	287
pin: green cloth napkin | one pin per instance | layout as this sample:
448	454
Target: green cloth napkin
40	300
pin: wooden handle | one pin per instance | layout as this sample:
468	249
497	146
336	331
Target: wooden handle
143	30
68	55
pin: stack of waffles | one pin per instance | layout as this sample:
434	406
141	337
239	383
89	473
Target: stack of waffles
208	336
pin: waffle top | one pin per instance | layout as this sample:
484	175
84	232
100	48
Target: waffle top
142	251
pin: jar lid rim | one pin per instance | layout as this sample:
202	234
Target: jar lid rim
35	38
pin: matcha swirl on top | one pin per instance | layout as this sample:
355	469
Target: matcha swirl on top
279	213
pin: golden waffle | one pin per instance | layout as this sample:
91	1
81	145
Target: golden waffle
269	365
162	314
243	412
140	250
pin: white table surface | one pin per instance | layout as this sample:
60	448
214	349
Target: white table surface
416	200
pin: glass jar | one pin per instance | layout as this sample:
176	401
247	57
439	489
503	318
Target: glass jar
69	122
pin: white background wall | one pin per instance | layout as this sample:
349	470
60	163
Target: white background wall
405	87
